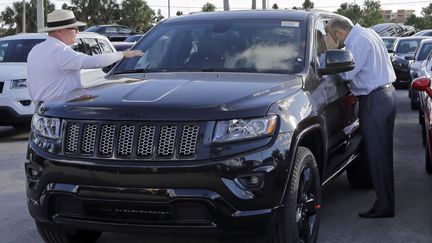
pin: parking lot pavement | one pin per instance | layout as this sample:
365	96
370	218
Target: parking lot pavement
340	206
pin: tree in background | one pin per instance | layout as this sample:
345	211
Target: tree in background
179	13
275	6
372	13
142	17
424	22
307	4
12	17
208	7
351	11
95	12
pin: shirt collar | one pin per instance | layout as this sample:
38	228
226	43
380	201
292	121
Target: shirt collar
357	28
55	40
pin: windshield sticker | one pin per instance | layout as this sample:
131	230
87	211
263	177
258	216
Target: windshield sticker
290	24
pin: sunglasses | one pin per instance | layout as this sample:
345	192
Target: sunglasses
73	28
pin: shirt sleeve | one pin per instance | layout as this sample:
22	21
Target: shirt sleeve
70	60
360	51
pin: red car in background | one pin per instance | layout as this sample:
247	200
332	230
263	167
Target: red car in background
423	84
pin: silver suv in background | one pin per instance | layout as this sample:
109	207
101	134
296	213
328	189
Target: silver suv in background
16	107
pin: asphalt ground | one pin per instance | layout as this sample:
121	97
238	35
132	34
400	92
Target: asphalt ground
340	205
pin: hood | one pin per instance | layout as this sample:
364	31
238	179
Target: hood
176	96
13	70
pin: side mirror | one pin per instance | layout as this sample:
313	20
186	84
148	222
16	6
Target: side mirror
108	68
422	84
336	61
409	57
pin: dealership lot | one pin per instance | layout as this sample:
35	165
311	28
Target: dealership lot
340	223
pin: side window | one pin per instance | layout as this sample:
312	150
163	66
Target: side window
104	46
123	30
3	49
79	46
111	30
92	46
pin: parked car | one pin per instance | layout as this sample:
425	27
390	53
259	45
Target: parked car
393	29
423	33
405	46
16	107
390	42
227	123
134	38
416	69
113	32
423	85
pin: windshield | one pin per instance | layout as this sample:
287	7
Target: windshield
424	52
240	46
389	43
407	46
16	50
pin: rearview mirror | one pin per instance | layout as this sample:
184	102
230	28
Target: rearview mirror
336	61
422	84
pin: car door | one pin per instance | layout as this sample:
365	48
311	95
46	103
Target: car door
336	104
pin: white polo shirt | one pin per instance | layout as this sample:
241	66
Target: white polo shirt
53	68
373	67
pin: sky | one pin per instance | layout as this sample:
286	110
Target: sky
187	6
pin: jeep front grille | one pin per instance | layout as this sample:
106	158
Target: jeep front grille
131	141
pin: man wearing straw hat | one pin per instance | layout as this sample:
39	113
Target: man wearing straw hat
53	68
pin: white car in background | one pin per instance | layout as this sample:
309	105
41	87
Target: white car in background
16	107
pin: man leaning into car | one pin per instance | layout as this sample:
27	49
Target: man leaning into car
371	82
54	68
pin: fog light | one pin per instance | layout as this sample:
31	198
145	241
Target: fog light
253	181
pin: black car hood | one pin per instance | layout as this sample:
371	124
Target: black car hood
176	96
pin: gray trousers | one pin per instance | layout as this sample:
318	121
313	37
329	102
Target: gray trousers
377	112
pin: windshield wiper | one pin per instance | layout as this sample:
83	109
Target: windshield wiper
140	70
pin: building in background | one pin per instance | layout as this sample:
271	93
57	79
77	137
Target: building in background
400	16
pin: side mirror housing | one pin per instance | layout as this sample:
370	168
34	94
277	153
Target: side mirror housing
108	68
336	61
409	57
422	84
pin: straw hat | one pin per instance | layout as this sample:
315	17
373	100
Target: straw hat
61	19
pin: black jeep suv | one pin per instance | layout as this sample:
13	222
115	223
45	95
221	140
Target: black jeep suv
228	123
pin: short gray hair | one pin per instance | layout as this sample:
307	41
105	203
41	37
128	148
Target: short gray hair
340	23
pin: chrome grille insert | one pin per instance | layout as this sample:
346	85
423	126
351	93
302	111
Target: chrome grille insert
88	139
188	141
71	139
106	140
131	140
125	143
146	141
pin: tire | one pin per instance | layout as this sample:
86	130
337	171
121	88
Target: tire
414	102
298	220
359	174
51	234
428	161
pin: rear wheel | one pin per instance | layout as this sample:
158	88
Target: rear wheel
51	234
299	218
359	174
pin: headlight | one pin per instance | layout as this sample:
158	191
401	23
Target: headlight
46	127
240	129
18	84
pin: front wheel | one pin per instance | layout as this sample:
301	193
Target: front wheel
50	234
299	218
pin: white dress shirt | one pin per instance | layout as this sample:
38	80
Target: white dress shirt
53	68
373	67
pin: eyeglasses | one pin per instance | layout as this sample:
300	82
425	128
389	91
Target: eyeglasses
73	28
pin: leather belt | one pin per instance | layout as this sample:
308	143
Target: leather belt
387	85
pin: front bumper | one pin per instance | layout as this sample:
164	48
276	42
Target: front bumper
202	196
16	107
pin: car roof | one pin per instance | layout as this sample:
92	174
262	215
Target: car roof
24	36
298	15
427	41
